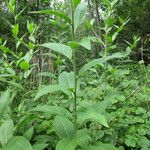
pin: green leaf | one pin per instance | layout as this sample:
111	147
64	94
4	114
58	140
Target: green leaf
66	80
39	146
4	102
24	65
15	30
101	146
25	121
76	2
6	131
64	127
59	48
81	138
66	83
46	89
31	27
73	44
87	112
107	2
53	110
11	6
60	14
66	144
29	133
18	143
84	117
79	14
130	140
101	61
86	43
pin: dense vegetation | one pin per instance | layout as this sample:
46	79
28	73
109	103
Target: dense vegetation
75	75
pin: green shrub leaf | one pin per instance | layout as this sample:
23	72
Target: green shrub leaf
60	14
18	143
46	89
4	102
79	14
6	131
64	127
59	48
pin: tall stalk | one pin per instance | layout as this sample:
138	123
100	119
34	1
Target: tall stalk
74	65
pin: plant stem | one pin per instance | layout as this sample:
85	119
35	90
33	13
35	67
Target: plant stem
74	67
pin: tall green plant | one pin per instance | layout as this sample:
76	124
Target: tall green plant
70	131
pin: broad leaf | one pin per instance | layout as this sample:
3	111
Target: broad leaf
81	138
24	65
87	112
60	14
53	110
86	43
6	131
66	80
18	143
39	146
4	102
46	89
66	144
59	48
79	14
64	127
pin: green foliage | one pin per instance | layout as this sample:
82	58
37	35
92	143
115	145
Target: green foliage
80	89
79	14
6	131
19	143
59	48
64	127
4	102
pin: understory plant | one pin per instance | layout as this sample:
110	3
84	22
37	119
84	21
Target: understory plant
95	107
71	123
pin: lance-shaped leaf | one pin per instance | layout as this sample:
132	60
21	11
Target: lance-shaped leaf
46	89
64	127
59	48
51	12
79	14
52	110
101	61
6	131
4	102
66	85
